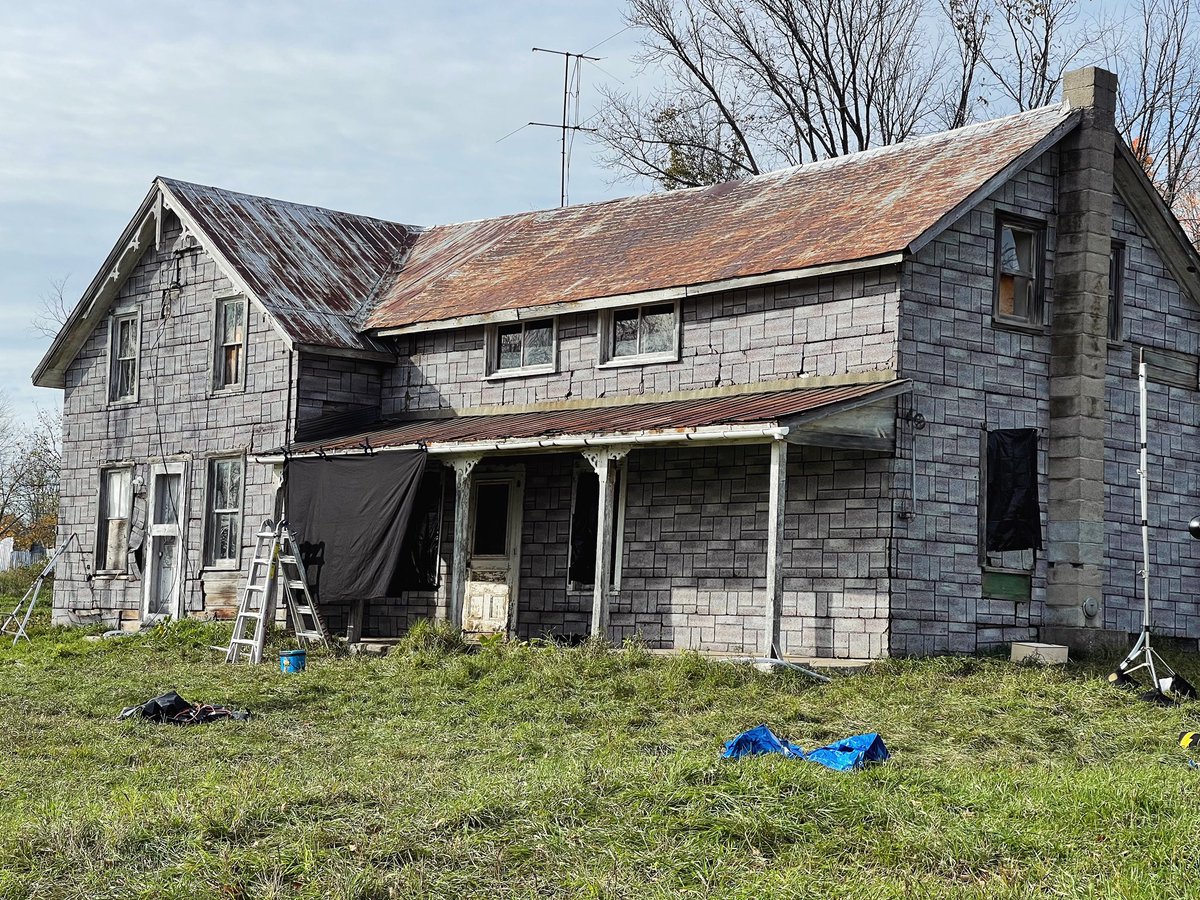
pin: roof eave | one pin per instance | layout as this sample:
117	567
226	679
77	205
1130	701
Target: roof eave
52	369
1161	224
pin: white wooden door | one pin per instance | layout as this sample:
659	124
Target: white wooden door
164	541
494	560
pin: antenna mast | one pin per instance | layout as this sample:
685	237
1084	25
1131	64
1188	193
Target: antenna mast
565	126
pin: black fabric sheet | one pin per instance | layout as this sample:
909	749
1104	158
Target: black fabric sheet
1013	511
356	509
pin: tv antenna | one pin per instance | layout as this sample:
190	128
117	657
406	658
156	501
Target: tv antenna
566	125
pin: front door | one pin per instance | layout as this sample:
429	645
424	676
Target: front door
494	561
164	532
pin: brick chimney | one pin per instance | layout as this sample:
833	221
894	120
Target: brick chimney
1075	546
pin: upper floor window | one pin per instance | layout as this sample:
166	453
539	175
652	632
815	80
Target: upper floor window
123	356
230	343
224	512
1019	280
641	333
1116	292
517	348
116	507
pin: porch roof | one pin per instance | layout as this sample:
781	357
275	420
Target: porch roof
792	414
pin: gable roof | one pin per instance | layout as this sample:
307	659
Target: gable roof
859	207
309	267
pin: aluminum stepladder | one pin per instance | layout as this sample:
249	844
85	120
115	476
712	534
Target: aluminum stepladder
29	601
276	562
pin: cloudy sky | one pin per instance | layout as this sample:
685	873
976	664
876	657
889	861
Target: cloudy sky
389	108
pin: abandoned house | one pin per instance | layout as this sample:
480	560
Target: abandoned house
881	404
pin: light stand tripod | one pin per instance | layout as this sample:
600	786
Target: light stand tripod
1171	685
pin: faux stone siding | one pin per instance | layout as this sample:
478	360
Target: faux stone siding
967	375
329	386
826	326
176	417
1156	315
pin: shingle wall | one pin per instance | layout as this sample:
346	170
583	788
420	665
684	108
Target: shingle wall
175	417
826	326
1156	315
967	374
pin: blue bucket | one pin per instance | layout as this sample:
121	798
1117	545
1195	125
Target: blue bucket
291	661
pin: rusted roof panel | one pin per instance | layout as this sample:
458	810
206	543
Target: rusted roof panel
311	267
681	416
851	208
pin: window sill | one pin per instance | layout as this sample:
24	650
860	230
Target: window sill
1004	570
525	372
218	568
239	388
124	401
110	575
1018	326
643	360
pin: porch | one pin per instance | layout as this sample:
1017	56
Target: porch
753	523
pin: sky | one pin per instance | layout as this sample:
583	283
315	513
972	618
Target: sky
390	108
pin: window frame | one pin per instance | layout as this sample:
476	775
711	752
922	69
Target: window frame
1116	293
211	563
102	519
132	314
217	346
584	468
1037	228
492	370
607	318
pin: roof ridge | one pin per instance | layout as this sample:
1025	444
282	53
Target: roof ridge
168	181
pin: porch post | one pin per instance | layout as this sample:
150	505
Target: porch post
777	497
463	466
604	460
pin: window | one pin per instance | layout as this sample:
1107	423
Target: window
581	560
491	519
1019	254
223	522
116	506
230	343
521	347
1116	293
641	334
123	357
1011	511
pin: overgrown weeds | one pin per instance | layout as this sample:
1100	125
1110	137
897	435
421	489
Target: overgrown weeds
531	770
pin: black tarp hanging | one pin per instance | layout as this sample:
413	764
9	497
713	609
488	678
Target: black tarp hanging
1013	511
358	507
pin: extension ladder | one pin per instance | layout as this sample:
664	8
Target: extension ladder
276	561
29	601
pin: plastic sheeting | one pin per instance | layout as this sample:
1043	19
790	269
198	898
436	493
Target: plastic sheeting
1013	511
356	509
841	756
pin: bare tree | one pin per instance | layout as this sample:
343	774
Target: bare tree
53	310
755	84
1031	46
1159	103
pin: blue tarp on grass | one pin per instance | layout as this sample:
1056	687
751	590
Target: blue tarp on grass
841	756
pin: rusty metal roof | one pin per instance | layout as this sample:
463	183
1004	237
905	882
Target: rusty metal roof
840	210
310	267
664	417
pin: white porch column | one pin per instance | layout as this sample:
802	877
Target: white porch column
604	460
777	497
463	466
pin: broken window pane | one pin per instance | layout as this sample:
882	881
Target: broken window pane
538	344
231	338
420	553
233	365
166	499
1018	275
491	520
581	565
625	333
116	504
123	356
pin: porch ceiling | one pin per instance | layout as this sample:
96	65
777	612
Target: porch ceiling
827	414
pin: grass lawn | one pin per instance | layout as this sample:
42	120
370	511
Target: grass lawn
540	772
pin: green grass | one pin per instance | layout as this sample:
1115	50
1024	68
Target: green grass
543	772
